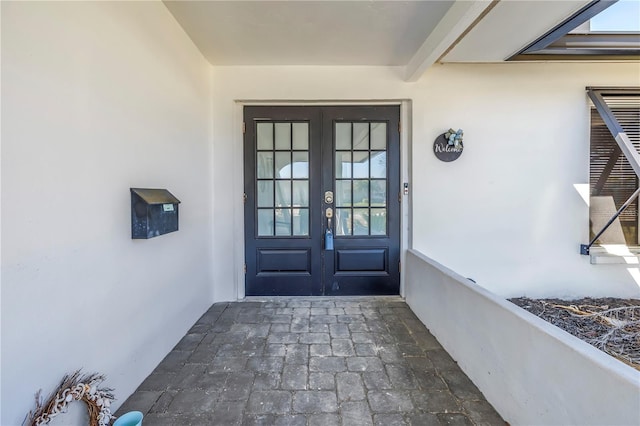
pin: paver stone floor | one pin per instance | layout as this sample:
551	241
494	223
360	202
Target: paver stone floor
310	361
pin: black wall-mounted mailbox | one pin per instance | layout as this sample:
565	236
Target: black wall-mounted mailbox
154	212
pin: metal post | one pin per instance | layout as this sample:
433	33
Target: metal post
584	249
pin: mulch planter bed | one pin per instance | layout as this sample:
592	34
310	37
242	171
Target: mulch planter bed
611	325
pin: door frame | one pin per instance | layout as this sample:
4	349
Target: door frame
238	177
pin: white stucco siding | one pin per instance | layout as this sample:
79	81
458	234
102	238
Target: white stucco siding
506	213
98	97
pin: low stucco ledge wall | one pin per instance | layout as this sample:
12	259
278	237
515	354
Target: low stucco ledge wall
532	372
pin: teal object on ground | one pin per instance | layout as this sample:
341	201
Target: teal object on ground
132	418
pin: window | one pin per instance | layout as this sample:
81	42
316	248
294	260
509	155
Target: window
614	166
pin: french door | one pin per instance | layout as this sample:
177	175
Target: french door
322	211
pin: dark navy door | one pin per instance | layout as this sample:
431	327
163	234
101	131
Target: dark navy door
314	171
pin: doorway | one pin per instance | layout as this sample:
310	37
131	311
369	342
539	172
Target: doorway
315	175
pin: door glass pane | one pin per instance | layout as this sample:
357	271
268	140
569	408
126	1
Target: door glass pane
265	193
361	193
343	222
282	203
361	136
343	193
361	178
378	136
265	222
283	193
301	193
283	136
343	165
343	136
300	136
379	164
360	165
360	221
283	221
265	165
283	165
264	134
378	221
300	165
300	222
379	193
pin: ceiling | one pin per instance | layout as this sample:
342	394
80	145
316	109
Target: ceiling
308	32
412	34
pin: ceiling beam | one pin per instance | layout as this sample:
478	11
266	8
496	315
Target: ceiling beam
457	22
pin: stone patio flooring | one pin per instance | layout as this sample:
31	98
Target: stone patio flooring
303	361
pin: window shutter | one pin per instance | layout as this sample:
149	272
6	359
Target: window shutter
610	172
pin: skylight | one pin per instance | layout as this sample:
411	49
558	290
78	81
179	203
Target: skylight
602	30
623	16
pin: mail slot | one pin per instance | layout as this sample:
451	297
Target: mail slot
154	212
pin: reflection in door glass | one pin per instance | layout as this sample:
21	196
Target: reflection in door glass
265	222
378	221
378	136
343	193
379	164
360	221
283	221
378	192
343	136
300	165
343	164
361	178
361	136
283	193
264	132
300	135
343	222
300	222
360	193
301	193
361	165
265	165
265	193
283	136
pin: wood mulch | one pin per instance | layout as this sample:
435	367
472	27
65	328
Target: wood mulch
611	325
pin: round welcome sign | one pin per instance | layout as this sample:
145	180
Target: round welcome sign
445	151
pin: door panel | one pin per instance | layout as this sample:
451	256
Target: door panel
283	249
301	162
284	261
373	260
363	167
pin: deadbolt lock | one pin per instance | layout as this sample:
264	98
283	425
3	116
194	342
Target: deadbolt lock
329	212
328	197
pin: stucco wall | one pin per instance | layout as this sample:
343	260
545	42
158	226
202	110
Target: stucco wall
506	213
532	372
98	97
